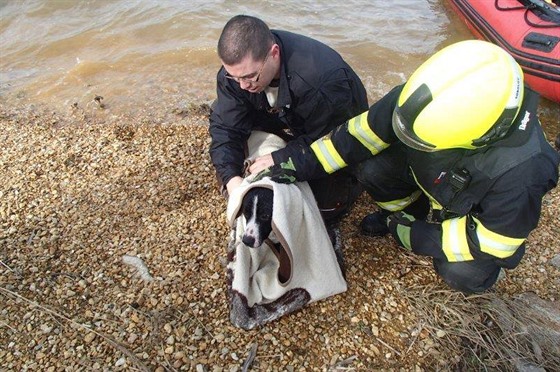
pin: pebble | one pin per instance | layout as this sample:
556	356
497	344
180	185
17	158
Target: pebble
120	362
89	337
555	261
170	340
132	338
219	337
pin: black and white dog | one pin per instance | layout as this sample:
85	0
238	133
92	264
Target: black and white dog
257	209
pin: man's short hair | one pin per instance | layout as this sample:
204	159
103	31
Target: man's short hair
244	35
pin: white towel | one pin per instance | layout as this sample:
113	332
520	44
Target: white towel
256	293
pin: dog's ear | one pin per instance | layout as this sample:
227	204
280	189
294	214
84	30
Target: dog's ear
239	212
241	205
236	211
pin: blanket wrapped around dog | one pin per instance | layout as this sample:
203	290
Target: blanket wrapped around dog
258	294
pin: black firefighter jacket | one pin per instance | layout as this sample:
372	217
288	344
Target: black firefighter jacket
488	215
317	92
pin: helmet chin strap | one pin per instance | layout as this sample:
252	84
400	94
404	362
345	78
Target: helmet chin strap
499	130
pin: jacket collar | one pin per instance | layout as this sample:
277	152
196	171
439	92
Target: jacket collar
284	96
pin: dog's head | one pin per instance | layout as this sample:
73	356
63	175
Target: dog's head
257	210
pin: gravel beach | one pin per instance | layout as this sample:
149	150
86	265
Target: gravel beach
112	249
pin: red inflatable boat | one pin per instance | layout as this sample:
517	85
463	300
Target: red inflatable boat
528	29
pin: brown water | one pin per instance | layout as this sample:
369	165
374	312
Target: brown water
161	53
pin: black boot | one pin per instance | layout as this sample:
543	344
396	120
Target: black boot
375	224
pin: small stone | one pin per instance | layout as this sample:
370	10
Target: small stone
170	340
134	317
178	363
555	261
89	337
120	362
45	329
219	337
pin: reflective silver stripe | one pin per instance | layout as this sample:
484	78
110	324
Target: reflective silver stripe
454	240
400	204
496	244
329	158
359	129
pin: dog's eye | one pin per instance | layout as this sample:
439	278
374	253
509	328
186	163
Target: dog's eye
264	217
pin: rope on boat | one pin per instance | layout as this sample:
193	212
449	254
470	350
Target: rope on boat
552	14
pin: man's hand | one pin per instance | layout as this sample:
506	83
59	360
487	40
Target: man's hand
281	173
233	184
261	163
399	225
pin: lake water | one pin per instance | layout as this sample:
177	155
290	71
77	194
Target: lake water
148	53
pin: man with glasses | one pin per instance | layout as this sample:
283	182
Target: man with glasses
287	84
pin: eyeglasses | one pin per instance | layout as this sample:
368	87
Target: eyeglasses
248	79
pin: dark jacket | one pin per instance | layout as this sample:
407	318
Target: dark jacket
485	202
317	92
499	202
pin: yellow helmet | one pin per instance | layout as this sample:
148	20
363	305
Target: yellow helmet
465	96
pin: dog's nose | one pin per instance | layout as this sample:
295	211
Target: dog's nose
249	241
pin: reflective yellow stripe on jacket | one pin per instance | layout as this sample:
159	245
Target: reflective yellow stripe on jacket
329	158
454	240
359	128
400	204
495	244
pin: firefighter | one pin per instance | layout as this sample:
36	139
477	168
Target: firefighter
455	159
284	83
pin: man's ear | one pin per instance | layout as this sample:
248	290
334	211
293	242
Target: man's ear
275	50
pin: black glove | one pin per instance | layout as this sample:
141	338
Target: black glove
281	173
399	225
